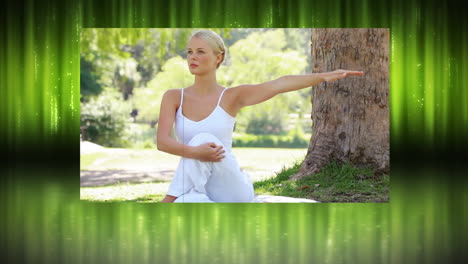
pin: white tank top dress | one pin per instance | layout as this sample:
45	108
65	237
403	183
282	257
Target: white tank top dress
199	182
219	123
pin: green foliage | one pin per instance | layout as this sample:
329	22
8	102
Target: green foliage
126	76
263	123
141	135
261	57
88	80
174	75
105	118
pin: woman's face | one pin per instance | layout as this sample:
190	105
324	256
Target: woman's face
200	56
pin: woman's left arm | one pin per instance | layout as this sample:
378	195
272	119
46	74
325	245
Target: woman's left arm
252	94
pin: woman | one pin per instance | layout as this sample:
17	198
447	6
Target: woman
204	115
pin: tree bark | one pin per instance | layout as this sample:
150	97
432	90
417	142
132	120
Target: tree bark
350	116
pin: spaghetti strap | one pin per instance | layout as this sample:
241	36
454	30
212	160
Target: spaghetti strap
219	100
181	97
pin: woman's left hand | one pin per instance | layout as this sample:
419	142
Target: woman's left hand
338	74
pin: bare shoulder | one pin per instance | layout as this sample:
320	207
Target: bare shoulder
232	99
236	93
173	93
172	96
236	89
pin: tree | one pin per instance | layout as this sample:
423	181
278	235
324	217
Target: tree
350	116
88	80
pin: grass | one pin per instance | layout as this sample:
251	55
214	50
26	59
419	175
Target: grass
336	183
125	192
88	159
125	158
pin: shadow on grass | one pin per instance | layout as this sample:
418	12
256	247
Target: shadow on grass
94	178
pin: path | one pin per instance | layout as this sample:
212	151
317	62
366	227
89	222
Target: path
94	178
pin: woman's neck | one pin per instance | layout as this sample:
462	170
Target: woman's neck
205	84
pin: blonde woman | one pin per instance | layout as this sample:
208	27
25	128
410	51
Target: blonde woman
204	115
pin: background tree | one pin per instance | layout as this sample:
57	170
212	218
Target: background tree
258	57
350	116
88	80
174	75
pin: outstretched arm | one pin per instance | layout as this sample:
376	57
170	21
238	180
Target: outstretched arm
254	94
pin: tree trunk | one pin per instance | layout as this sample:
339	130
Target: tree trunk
351	115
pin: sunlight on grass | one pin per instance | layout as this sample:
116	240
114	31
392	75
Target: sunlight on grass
143	192
127	158
88	159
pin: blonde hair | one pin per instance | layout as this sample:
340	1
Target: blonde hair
213	40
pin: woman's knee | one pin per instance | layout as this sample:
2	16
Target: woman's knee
202	138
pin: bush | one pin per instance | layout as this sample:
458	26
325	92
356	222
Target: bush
263	123
89	85
105	118
271	141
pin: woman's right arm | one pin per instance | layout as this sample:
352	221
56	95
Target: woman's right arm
167	115
166	143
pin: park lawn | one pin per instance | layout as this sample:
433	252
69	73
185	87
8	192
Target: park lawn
114	158
149	192
336	183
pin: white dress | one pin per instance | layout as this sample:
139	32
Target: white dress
196	181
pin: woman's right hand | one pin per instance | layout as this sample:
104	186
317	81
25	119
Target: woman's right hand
338	74
209	152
